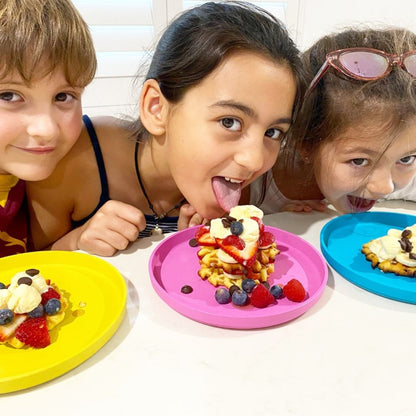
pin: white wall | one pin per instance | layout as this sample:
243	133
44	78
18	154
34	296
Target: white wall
124	29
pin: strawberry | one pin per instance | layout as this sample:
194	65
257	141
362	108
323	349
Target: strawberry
294	290
261	297
34	332
8	330
203	237
49	294
266	239
245	256
234	240
260	223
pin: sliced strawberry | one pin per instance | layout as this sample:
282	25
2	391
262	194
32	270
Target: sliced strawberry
246	256
201	231
266	239
203	237
51	293
34	332
294	290
261	297
6	331
234	240
260	223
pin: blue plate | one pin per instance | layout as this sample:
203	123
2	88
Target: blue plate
341	241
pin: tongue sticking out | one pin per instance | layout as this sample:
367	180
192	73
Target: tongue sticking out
227	193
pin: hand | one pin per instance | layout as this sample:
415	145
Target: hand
188	217
112	228
307	205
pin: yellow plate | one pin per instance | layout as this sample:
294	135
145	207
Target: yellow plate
97	299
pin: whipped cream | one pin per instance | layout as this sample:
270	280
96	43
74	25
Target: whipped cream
24	299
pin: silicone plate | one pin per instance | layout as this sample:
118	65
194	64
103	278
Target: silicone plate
341	241
97	297
174	263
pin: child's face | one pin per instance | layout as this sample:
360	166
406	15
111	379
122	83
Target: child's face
353	172
38	124
226	131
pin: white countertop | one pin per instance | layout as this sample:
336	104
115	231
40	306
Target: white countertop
353	353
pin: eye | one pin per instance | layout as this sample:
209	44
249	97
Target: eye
9	96
407	160
64	97
231	124
273	133
360	162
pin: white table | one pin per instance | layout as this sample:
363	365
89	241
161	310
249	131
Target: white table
353	353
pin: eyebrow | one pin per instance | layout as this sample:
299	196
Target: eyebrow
248	111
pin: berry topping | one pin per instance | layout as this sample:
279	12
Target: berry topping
235	241
294	290
203	237
34	332
236	228
276	291
37	312
266	239
233	288
260	223
6	316
261	297
51	293
239	297
222	295
248	285
52	306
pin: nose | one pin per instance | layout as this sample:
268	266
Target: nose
42	126
251	153
380	183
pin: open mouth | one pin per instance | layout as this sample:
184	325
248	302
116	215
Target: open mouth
358	204
227	191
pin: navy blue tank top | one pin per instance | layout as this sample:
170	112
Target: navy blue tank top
167	224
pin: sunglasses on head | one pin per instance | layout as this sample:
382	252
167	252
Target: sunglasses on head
365	64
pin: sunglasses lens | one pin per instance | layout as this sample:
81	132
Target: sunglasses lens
364	64
410	64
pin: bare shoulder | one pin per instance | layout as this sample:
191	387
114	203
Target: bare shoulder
109	128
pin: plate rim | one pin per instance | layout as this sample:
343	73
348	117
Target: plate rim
384	288
247	322
52	370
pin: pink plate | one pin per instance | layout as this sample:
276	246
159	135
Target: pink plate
174	264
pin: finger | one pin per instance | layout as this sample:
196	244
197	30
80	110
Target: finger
185	214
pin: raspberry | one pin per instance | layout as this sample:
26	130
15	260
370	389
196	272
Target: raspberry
266	239
51	293
294	290
261	297
34	332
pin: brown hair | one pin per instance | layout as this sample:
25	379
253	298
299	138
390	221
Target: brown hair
339	102
196	42
45	34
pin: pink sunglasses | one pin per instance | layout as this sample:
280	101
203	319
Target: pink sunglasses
364	64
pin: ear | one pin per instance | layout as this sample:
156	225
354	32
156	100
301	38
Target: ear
153	108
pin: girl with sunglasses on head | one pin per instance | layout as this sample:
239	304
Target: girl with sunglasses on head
354	140
203	134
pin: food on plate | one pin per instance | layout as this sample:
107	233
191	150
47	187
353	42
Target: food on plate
30	306
394	252
236	247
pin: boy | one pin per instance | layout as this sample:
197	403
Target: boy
47	58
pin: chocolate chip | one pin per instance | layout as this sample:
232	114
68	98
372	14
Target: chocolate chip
193	242
32	272
187	289
25	280
412	256
406	234
227	220
405	245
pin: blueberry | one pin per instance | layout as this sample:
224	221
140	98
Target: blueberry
37	312
248	285
233	288
276	291
239	297
236	228
2	285
6	316
222	295
52	306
